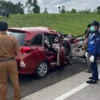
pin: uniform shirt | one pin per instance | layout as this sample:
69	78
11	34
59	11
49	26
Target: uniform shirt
90	45
8	46
93	47
96	49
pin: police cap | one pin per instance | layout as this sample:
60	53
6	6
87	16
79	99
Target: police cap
95	23
3	26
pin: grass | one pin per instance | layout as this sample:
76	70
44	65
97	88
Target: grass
64	23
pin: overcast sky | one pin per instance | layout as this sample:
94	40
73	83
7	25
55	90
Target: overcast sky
53	5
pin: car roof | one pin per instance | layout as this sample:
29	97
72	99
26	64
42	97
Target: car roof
33	29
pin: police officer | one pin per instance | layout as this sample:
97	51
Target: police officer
93	49
8	66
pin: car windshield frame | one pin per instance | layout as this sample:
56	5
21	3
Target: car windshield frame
20	36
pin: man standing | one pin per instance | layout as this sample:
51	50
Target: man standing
93	49
8	66
87	32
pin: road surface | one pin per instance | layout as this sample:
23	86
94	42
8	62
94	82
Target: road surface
29	84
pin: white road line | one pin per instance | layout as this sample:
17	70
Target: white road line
68	94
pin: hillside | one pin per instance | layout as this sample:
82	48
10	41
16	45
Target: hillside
64	23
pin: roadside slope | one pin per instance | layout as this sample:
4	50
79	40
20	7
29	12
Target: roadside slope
64	23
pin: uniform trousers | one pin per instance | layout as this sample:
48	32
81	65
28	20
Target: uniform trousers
9	68
94	69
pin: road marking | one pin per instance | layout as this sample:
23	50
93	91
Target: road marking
68	94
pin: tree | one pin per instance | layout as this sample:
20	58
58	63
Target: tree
87	11
36	9
19	8
32	6
35	2
62	9
73	10
46	10
9	7
28	5
94	11
98	9
59	9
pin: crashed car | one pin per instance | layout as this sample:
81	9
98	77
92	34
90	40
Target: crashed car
73	45
41	49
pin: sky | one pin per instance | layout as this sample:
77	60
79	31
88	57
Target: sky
53	5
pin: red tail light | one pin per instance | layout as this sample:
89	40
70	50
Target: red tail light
25	49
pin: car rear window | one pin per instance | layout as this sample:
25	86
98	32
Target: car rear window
19	37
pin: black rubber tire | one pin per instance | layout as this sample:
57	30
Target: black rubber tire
37	73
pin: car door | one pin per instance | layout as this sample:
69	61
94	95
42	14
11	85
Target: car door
56	48
37	54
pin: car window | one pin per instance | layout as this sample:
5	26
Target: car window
50	39
19	37
37	40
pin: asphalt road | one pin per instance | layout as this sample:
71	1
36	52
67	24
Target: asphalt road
29	84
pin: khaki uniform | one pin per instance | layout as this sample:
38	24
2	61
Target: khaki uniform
8	45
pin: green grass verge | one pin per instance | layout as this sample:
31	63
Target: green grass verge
64	23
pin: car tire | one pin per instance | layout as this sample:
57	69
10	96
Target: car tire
42	69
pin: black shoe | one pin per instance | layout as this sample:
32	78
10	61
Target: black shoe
91	82
87	71
91	78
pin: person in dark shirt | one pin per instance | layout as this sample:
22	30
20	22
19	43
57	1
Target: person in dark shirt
87	32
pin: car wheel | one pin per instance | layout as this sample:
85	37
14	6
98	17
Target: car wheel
42	69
